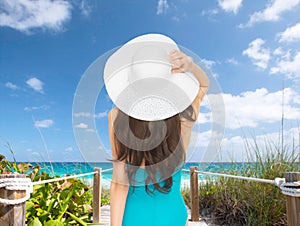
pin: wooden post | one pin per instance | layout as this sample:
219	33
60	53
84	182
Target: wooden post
292	203
12	215
97	195
194	193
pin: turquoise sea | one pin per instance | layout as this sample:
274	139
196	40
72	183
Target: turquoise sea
71	168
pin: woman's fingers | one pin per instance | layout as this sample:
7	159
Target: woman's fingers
177	70
176	62
175	58
179	61
176	53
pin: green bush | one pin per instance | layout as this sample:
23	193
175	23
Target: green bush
67	202
105	197
239	202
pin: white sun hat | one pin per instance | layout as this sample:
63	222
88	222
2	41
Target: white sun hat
140	83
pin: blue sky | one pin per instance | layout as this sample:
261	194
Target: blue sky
251	49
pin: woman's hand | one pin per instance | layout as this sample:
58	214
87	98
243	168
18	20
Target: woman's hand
180	62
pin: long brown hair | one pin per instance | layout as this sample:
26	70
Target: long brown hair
139	147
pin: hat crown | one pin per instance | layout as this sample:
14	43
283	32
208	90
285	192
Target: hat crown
149	61
152	38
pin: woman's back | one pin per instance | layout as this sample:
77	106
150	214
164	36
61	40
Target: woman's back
156	209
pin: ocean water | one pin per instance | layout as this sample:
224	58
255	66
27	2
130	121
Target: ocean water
71	168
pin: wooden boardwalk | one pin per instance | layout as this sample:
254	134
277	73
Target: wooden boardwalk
105	217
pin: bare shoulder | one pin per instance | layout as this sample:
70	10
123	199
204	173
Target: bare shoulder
186	123
195	114
112	114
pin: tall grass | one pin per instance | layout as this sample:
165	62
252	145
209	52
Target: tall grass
238	202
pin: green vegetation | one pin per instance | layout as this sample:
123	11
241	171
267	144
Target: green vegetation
226	201
66	202
7	167
238	202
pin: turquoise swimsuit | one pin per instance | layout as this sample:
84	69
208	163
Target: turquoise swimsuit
158	209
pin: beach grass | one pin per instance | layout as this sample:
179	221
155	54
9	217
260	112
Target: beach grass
237	202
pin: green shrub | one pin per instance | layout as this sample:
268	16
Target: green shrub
239	202
67	202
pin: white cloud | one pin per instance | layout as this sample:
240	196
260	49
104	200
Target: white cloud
11	86
278	51
175	18
27	15
81	126
232	61
200	139
35	153
83	114
272	12
204	117
260	56
43	107
250	109
291	34
68	149
44	123
209	64
291	68
233	148
210	12
101	115
230	5
88	114
162	6
85	8
35	84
